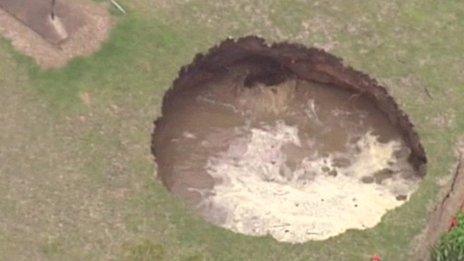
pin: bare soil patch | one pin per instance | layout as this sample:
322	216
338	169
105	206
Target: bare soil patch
284	140
78	29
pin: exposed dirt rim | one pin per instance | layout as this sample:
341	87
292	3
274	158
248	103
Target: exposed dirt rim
310	64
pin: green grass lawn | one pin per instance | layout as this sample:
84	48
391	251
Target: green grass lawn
77	177
451	245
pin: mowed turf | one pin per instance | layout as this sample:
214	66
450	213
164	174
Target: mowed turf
77	180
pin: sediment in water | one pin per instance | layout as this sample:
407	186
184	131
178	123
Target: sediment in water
284	140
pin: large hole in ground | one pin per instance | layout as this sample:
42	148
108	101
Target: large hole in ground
284	140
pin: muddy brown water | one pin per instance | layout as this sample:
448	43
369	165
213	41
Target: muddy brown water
258	150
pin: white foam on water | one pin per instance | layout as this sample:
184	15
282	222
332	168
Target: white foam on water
259	194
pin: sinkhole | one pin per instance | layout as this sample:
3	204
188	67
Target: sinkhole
286	141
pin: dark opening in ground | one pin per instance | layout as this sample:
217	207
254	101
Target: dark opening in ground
284	140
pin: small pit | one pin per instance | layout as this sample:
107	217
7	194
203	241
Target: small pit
284	140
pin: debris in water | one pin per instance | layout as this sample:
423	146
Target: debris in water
256	146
